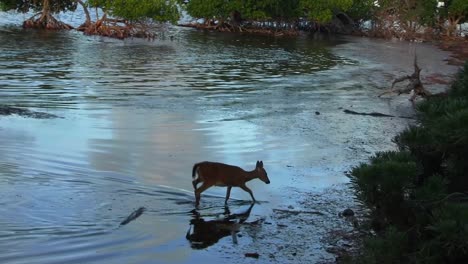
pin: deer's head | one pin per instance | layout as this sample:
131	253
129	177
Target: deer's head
262	174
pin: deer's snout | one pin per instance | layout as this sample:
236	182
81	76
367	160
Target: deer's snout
267	181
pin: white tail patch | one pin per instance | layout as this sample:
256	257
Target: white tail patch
197	174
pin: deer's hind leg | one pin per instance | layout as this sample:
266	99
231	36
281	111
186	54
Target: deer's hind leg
198	192
228	193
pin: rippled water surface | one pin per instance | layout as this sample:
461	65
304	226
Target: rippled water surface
136	115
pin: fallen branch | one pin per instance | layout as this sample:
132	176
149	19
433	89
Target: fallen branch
375	114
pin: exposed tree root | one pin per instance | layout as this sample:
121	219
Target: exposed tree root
340	24
45	21
116	28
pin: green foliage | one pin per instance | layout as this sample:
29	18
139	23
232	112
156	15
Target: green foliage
457	8
283	9
387	178
362	10
385	184
421	12
433	189
322	10
426	12
207	8
460	86
389	248
421	144
136	10
280	10
454	12
6	5
249	9
24	6
450	234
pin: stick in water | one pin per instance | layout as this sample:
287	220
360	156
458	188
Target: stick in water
133	216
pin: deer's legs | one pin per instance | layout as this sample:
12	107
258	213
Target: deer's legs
228	193
245	188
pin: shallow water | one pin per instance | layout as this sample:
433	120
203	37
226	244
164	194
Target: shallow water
136	115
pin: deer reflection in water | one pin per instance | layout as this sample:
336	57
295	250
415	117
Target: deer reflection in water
206	233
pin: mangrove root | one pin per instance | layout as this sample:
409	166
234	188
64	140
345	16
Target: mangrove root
45	21
115	28
248	28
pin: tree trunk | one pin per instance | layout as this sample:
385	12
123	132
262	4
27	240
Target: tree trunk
45	10
86	11
452	26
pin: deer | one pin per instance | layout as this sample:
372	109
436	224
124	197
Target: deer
224	175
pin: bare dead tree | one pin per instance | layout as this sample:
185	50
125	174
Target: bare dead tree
415	85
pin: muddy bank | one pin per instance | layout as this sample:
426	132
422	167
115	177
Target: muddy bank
290	234
459	50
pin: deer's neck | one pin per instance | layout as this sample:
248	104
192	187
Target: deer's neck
250	175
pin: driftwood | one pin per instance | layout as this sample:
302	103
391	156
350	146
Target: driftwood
415	85
375	114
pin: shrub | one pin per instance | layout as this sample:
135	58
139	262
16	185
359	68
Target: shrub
385	184
449	243
390	248
417	195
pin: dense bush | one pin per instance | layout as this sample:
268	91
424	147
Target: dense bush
418	196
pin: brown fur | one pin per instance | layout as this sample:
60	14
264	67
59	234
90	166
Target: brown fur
220	174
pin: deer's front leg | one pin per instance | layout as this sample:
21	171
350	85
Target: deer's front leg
228	193
245	188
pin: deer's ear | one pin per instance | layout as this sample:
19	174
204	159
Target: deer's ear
258	164
261	163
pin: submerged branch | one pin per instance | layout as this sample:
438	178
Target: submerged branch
133	216
8	110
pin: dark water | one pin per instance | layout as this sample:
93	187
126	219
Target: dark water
137	115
